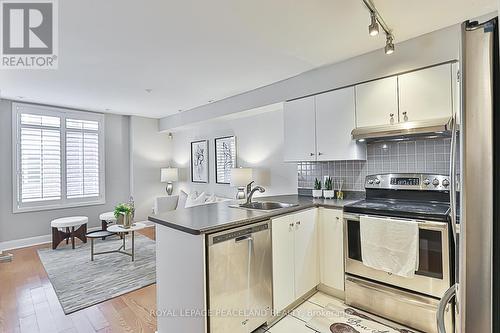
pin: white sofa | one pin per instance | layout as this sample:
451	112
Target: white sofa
173	202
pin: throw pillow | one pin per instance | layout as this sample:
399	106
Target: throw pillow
192	200
181	203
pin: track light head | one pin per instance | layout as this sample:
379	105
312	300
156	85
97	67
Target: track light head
373	28
389	45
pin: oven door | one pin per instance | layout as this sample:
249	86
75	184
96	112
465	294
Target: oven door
433	275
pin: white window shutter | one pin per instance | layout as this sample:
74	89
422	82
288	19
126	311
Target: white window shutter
82	159
40	161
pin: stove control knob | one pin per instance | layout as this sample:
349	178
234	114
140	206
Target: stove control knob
370	181
377	181
446	183
435	182
427	182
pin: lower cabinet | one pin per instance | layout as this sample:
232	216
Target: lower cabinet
331	245
295	257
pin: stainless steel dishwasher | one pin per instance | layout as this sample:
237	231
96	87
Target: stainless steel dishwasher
240	278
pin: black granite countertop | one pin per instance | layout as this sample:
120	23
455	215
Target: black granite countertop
215	217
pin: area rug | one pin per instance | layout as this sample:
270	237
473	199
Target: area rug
340	319
80	283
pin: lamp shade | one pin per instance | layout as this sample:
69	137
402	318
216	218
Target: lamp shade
169	175
241	176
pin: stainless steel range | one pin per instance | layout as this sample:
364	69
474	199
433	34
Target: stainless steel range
424	199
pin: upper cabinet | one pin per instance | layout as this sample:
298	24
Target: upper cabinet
335	118
420	95
377	102
318	128
426	94
300	130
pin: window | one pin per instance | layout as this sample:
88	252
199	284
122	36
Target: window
58	158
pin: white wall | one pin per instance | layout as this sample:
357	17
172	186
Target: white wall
433	48
31	224
149	152
259	140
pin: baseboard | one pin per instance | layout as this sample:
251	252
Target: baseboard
30	241
337	293
37	240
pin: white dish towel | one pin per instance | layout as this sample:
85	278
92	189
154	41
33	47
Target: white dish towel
389	245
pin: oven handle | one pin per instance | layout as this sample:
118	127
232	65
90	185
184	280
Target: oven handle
421	223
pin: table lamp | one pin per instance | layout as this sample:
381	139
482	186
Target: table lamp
241	177
169	175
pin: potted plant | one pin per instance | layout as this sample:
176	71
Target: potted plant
317	192
328	193
124	214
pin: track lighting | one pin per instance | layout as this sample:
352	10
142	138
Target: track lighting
373	27
377	23
389	44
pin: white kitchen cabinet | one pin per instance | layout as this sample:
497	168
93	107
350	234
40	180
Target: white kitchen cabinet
306	252
426	94
295	257
331	244
300	130
335	119
377	102
283	233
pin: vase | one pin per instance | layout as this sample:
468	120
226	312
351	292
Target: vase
329	194
317	193
127	220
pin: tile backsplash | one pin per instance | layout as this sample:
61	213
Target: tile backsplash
420	156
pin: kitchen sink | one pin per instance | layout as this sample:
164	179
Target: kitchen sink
265	205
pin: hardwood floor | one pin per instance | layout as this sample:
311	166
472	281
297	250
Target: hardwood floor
28	303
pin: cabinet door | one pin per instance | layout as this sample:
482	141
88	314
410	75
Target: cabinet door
306	252
426	94
332	248
376	101
300	131
335	119
283	262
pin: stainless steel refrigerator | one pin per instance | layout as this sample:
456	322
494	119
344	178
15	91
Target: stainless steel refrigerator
475	197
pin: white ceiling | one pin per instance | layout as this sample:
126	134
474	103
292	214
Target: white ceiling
190	52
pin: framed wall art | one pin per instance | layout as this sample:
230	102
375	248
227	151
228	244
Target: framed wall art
225	158
199	161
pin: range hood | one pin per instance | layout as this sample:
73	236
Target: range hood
423	128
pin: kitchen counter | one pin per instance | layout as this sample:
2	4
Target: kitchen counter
215	217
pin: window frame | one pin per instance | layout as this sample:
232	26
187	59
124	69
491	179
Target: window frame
62	114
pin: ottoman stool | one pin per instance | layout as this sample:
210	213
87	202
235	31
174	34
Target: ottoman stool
106	219
65	223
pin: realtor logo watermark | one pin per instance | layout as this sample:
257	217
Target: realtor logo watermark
29	34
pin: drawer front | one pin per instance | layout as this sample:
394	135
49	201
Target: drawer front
412	310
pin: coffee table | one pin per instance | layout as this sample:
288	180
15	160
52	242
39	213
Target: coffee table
119	229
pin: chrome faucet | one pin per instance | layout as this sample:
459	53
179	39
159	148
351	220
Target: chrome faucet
255	189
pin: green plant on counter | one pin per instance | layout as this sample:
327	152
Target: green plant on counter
328	184
317	184
123	208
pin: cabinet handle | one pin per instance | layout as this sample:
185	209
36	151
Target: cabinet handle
392	118
338	218
297	224
320	154
405	116
311	154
